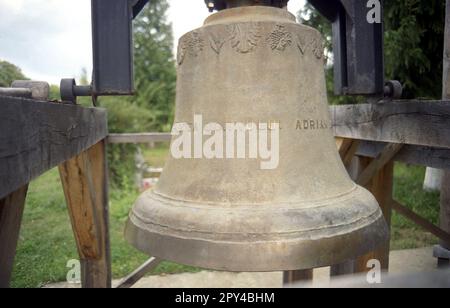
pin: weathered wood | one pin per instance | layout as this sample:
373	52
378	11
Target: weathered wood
139	273
84	180
410	154
425	123
139	138
381	186
345	268
445	190
445	207
378	163
37	136
291	277
347	149
422	222
11	211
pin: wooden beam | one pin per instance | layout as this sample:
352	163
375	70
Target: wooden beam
424	123
139	273
378	163
139	138
422	222
445	191
37	136
381	186
84	180
347	149
11	212
416	155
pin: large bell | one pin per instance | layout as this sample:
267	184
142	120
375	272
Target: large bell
254	66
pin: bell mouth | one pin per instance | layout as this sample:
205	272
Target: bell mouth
261	238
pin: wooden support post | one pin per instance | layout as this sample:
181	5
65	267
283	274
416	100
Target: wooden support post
84	180
11	212
445	190
445	218
377	164
291	277
381	186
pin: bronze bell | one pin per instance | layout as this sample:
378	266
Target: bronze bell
253	79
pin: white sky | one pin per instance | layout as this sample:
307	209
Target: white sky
51	39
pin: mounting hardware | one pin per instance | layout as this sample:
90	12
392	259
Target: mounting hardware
38	90
112	41
393	89
70	91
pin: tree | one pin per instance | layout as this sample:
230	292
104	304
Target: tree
151	109
155	73
8	73
414	31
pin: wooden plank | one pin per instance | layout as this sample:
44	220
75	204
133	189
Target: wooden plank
84	180
445	208
416	155
291	277
378	163
347	149
422	222
139	273
139	138
11	211
445	190
381	186
37	136
425	123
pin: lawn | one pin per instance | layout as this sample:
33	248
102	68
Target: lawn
46	241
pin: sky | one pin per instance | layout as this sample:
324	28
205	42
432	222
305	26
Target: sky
51	39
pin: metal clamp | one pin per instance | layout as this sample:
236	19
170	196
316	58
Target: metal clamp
70	91
393	89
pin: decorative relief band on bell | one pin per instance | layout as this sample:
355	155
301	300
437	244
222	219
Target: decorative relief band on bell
247	37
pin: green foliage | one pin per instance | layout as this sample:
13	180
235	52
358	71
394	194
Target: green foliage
151	109
8	73
413	45
124	117
55	94
155	72
47	243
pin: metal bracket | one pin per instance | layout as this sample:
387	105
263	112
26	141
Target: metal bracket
112	41
357	45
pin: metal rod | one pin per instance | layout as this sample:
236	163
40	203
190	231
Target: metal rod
138	274
16	92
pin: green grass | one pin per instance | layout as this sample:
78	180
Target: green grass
46	240
408	191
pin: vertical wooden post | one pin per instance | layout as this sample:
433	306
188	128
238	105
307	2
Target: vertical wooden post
11	212
290	277
381	186
84	180
445	190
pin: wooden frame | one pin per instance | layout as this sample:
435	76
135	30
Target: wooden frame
35	137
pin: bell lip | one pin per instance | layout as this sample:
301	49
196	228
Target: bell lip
259	252
260	256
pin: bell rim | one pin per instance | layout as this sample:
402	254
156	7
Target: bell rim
259	256
274	251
